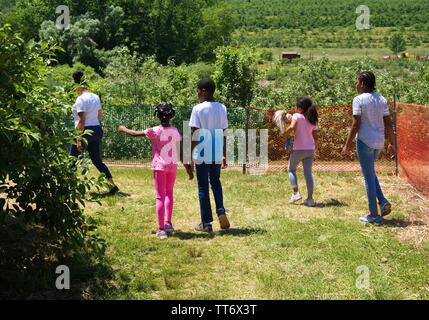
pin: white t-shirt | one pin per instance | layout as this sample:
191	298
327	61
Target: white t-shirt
90	104
211	118
372	107
209	115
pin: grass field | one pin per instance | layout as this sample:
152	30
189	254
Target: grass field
273	250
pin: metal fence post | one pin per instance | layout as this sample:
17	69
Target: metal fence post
395	124
247	137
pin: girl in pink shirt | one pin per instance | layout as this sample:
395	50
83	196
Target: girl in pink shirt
165	142
304	125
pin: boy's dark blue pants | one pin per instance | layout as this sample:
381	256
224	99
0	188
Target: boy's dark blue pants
209	174
94	149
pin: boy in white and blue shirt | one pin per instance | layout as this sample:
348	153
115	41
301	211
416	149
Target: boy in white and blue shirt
210	119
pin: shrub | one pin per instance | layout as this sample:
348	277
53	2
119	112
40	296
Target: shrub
35	178
235	75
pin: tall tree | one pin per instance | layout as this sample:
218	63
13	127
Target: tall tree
397	43
216	31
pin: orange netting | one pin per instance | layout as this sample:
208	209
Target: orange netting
413	144
335	122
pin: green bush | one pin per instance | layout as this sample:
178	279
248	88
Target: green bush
235	75
37	186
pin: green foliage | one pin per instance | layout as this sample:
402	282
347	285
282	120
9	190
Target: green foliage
326	24
331	82
124	70
182	30
34	175
235	75
397	43
255	15
131	79
216	31
61	76
265	55
77	41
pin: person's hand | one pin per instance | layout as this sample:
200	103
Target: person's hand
189	171
392	150
224	163
122	128
316	154
80	145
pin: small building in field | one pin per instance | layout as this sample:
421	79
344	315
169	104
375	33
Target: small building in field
291	55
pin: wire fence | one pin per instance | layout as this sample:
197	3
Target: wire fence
333	128
412	134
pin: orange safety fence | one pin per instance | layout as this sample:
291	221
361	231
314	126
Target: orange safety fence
333	128
413	144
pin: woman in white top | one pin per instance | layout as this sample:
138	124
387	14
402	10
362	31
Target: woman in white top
87	114
371	121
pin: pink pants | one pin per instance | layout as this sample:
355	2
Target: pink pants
164	185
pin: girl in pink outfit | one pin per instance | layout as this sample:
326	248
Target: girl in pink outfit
165	142
304	125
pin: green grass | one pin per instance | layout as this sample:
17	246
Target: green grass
273	250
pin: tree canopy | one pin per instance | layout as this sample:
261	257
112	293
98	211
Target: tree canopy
183	30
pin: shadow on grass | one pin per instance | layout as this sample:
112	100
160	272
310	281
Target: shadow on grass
28	263
97	196
231	232
331	203
400	223
242	232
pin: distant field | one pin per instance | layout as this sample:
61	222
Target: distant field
347	53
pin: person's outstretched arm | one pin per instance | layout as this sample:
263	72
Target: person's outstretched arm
131	132
352	134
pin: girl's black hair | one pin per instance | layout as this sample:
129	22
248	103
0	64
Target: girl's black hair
309	109
368	79
165	112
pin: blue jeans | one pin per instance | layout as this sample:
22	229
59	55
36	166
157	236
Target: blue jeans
367	157
209	173
94	149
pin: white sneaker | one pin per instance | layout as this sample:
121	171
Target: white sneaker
162	234
309	203
295	198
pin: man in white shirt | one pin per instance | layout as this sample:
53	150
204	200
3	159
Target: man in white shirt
208	122
87	113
